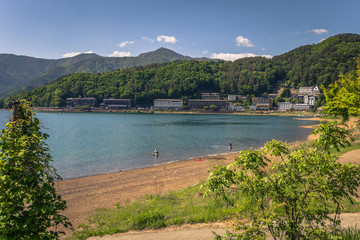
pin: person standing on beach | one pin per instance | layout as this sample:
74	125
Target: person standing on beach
230	146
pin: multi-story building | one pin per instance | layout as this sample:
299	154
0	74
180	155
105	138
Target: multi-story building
113	103
311	91
166	104
210	96
78	102
201	103
309	100
262	103
285	106
301	107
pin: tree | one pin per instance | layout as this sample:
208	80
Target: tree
343	96
290	192
286	93
30	207
213	107
2	103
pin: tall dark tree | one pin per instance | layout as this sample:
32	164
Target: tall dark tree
30	207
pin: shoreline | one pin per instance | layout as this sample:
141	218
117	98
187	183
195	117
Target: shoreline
85	194
144	111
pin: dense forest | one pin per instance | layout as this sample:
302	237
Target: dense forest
318	64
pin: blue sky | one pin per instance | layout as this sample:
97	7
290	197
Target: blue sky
227	29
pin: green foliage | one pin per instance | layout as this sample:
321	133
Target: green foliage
150	219
350	233
320	64
2	103
293	191
85	108
343	96
331	136
30	207
286	93
213	107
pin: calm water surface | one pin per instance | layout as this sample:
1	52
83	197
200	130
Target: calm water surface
85	144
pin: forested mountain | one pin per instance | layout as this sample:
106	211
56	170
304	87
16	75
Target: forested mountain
21	73
318	64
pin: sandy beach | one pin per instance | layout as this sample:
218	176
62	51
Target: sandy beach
84	195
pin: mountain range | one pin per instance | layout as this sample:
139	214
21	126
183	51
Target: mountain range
22	73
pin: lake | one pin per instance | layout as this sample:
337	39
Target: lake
84	144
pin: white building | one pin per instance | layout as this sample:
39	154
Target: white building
285	106
168	104
236	108
311	91
301	107
309	100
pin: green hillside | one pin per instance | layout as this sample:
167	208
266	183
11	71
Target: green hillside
21	73
318	64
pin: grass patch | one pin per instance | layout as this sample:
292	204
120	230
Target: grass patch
354	146
157	211
350	233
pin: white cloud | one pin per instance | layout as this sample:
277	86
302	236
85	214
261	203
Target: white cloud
235	56
70	54
147	39
123	44
120	54
166	39
204	52
319	31
73	54
243	42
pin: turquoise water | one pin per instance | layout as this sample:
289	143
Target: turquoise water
84	144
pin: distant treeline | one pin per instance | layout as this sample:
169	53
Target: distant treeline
318	64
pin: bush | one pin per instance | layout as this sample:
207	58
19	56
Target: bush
293	191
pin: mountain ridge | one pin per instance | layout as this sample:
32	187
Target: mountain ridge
21	73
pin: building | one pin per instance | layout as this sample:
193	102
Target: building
78	102
210	96
113	103
201	103
232	97
262	103
272	95
311	91
309	100
258	100
166	104
263	106
285	106
252	107
235	108
301	107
